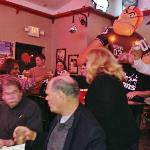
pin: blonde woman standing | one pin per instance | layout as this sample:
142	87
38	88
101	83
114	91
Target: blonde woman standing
107	100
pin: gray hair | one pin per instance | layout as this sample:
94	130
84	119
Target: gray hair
66	84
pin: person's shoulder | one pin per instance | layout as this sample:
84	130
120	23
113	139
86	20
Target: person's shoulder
2	104
128	68
28	102
106	80
87	117
138	35
32	68
87	122
3	107
103	77
99	80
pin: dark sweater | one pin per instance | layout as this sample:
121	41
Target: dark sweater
26	113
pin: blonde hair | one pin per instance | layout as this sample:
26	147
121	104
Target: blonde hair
103	61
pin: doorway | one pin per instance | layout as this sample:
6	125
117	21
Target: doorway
25	54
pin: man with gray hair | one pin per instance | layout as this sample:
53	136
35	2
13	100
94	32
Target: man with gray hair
74	128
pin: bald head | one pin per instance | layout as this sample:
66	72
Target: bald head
62	95
65	84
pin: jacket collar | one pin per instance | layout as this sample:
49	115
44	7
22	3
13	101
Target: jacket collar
70	135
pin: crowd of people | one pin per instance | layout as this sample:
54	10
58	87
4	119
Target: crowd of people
104	115
104	122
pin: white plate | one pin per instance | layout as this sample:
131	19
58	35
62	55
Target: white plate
16	147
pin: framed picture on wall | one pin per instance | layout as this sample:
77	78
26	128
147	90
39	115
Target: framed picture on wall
61	55
25	55
6	49
72	64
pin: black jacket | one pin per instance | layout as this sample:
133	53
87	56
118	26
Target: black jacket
107	100
85	133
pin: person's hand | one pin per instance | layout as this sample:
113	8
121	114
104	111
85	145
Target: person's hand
131	95
122	58
26	73
22	134
130	58
136	53
49	75
4	142
64	73
126	58
146	58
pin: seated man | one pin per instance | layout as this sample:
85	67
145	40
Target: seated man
16	110
74	128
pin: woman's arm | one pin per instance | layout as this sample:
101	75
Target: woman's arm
131	95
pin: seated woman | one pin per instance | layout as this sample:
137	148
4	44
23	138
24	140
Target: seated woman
61	69
11	67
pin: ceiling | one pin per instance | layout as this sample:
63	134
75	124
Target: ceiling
50	4
46	6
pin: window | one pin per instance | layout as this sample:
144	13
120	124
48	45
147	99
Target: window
126	3
101	4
